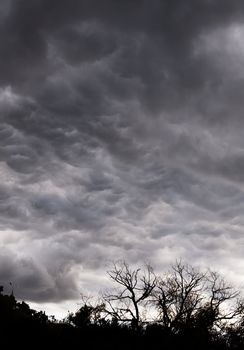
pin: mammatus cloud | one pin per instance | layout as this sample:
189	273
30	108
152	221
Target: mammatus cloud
120	137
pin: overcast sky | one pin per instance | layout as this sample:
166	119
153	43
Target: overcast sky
121	137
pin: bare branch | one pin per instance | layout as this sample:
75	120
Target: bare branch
135	286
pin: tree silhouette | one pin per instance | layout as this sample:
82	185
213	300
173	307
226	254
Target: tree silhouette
196	305
134	288
178	296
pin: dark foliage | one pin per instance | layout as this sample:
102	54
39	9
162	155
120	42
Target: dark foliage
190	315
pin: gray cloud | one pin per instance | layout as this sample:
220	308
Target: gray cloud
120	137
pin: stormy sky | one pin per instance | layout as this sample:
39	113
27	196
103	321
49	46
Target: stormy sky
121	137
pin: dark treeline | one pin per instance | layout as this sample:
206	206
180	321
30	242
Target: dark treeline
181	309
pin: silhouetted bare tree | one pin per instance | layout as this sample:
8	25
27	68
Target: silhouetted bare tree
135	286
178	295
186	297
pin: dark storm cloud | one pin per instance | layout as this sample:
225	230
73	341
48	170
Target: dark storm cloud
30	280
120	137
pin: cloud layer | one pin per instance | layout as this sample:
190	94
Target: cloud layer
121	136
